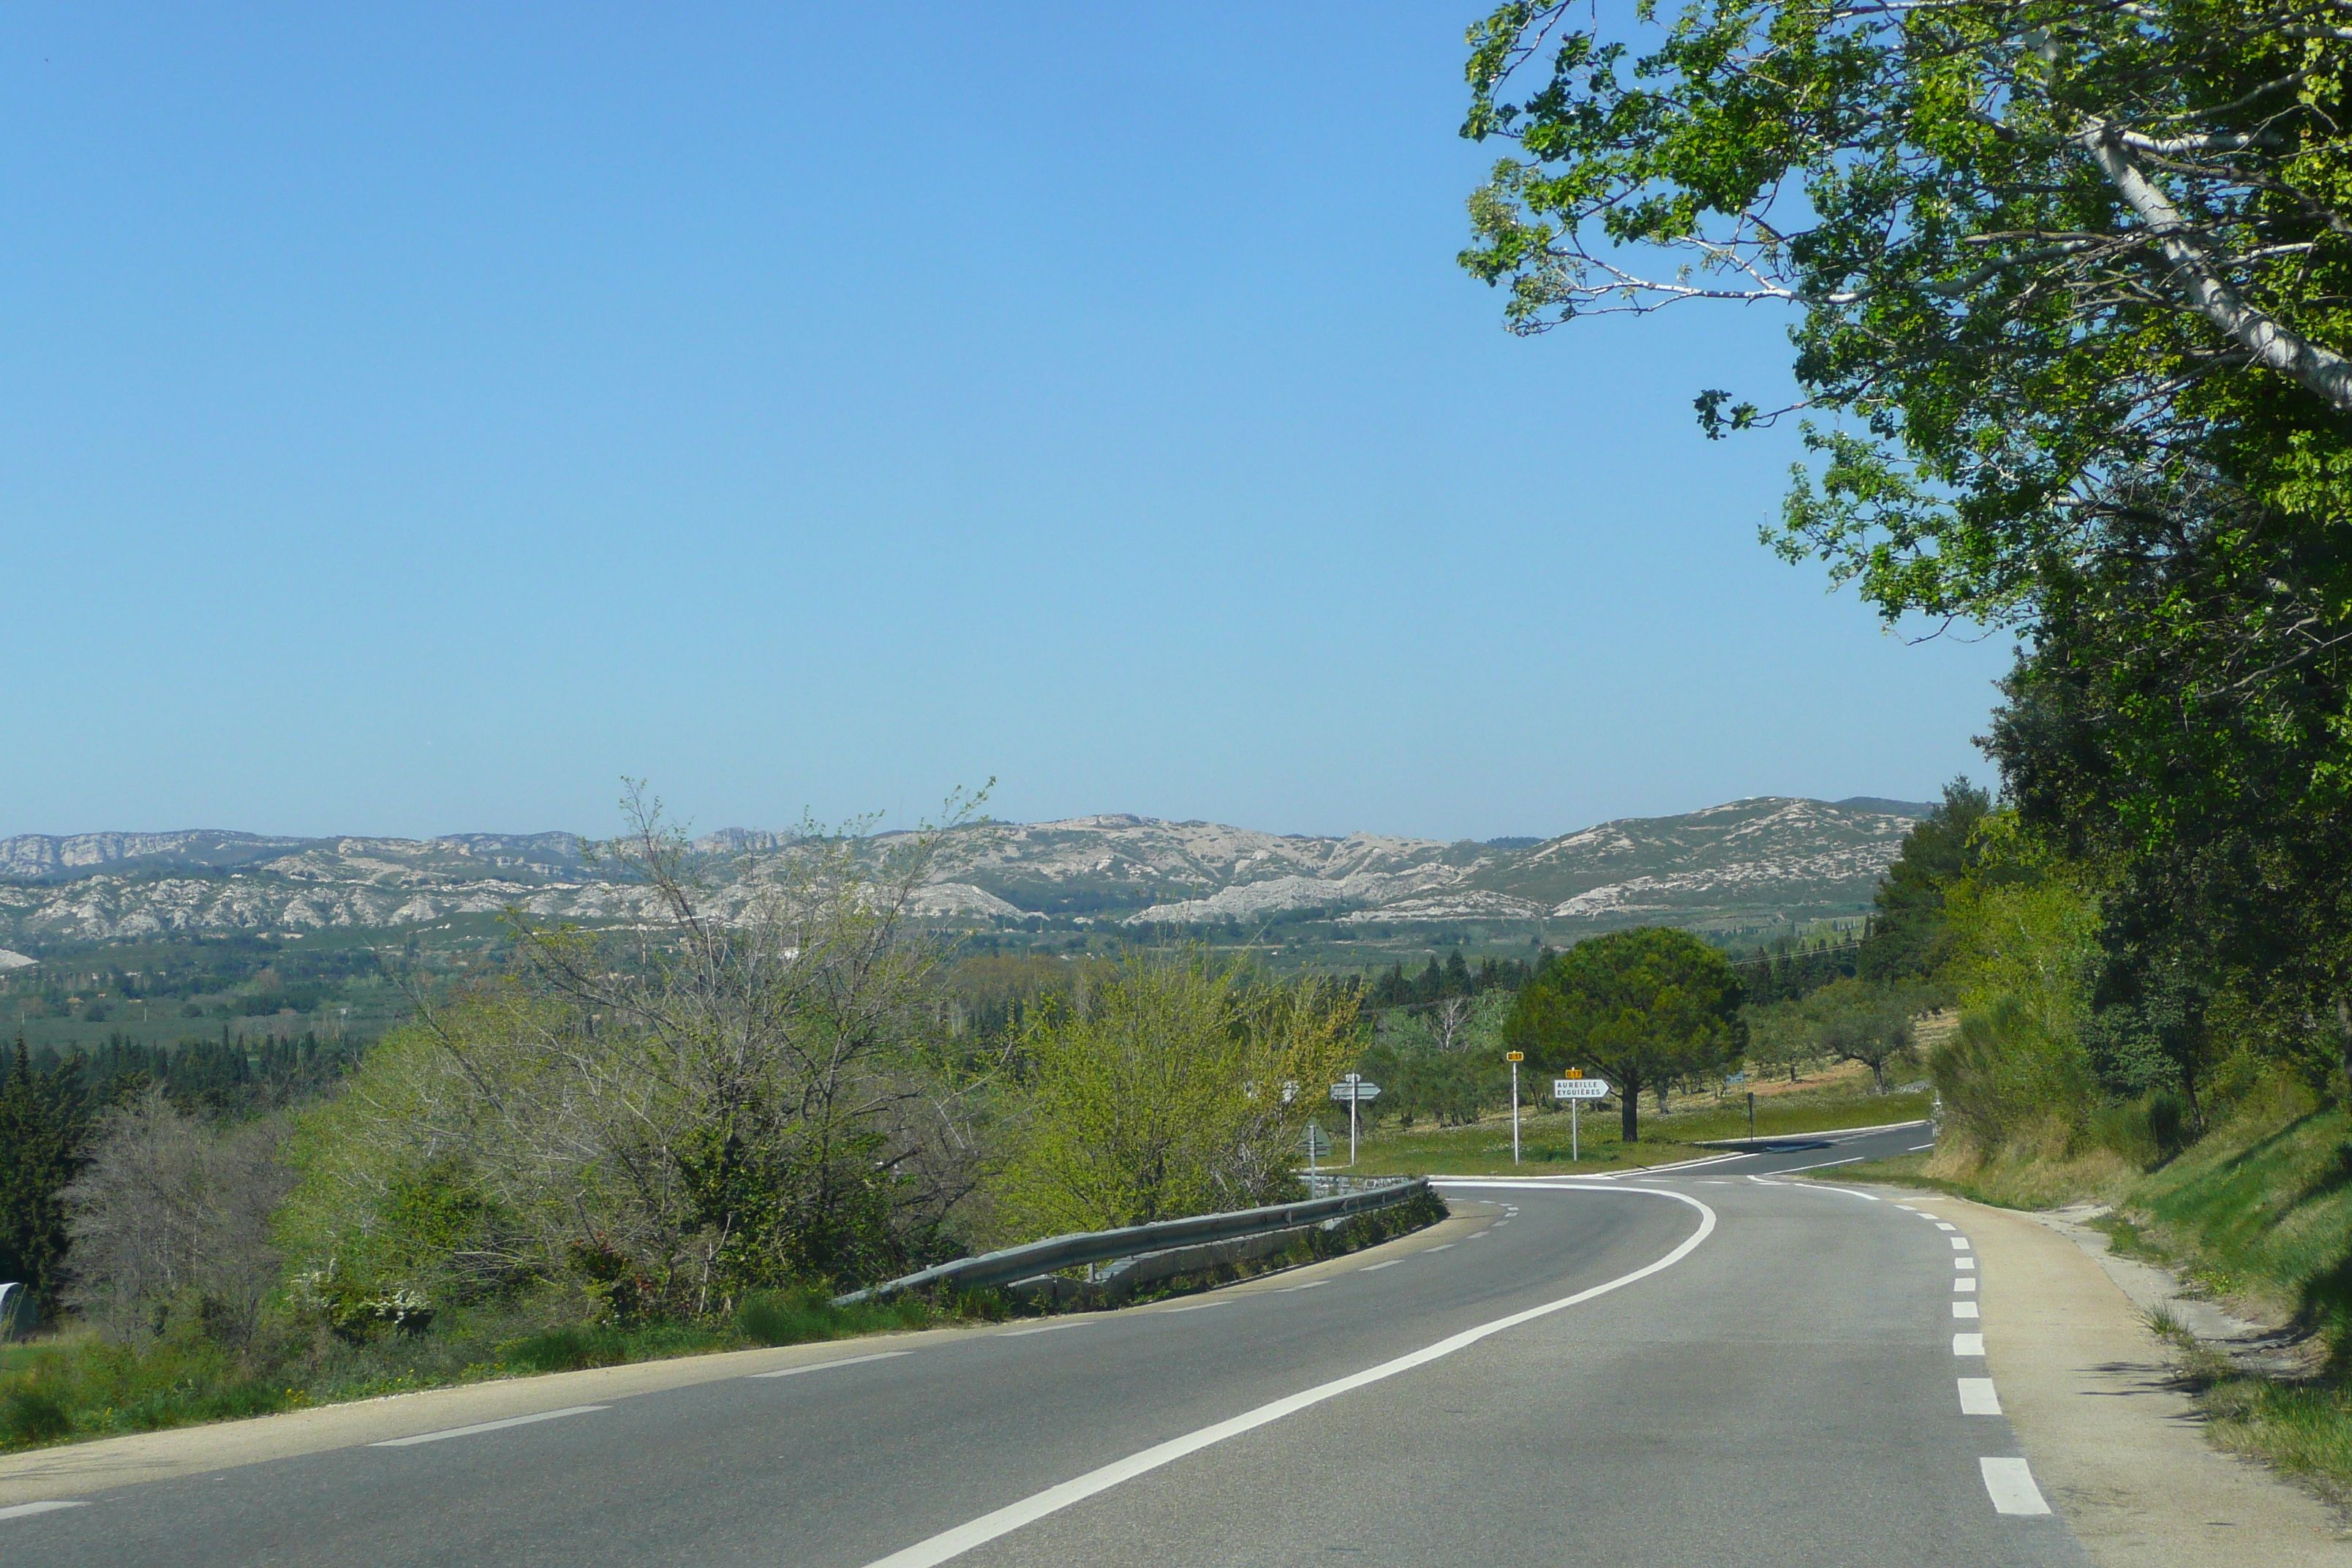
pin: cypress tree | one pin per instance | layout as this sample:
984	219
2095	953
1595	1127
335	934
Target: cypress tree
40	1153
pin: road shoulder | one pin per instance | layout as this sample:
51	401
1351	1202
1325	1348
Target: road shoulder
2118	1447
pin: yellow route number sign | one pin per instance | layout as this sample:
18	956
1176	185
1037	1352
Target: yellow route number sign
1514	1056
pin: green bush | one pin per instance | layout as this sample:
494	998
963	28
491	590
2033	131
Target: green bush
30	1416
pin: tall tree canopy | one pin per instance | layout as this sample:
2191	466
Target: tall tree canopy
2034	249
1641	1007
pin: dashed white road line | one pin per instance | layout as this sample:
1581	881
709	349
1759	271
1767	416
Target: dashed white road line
822	1366
1966	1310
1964	1263
1762	1182
2010	1485
1959	1244
1964	1282
1439	1247
1204	1306
1977	1397
1968	1344
18	1510
1474	1236
1043	1328
1945	1225
487	1427
1918	1148
1310	1285
1376	1267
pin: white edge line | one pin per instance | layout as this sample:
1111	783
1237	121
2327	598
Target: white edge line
1823	1165
822	1366
1849	1192
487	1427
2010	1484
988	1527
19	1511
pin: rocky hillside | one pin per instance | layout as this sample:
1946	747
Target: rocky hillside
1748	859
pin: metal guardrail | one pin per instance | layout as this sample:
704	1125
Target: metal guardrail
1058	1252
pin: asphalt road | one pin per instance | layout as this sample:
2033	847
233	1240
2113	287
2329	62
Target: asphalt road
1698	1365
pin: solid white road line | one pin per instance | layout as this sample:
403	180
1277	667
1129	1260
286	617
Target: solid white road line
988	1527
1045	1329
488	1427
1977	1397
1826	1165
18	1510
1849	1192
1376	1267
822	1366
2011	1483
1964	1282
1918	1148
1966	1310
1968	1344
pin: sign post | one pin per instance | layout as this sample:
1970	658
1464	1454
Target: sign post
1576	1088
1317	1145
1354	1089
1515	1058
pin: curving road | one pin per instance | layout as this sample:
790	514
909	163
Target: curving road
1698	1365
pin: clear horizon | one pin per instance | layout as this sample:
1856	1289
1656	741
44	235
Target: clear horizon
420	422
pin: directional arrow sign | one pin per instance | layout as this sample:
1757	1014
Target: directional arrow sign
1579	1087
1317	1143
1360	1090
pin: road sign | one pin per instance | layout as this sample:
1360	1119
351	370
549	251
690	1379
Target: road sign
1514	1056
1360	1089
1579	1087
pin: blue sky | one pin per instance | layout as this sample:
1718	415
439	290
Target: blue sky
414	419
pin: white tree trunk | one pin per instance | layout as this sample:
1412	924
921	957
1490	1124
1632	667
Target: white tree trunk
2317	370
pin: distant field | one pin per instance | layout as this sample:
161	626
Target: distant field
1486	1149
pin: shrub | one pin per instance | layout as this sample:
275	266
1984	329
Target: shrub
30	1416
